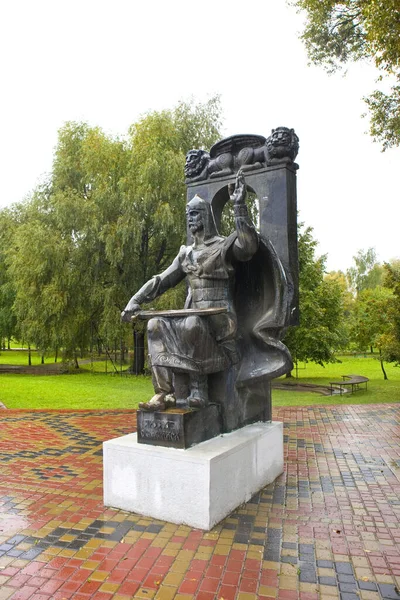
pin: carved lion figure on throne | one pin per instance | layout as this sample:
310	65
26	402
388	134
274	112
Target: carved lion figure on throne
282	146
246	152
199	165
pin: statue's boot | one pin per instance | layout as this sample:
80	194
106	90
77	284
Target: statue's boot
198	391
164	397
170	401
156	403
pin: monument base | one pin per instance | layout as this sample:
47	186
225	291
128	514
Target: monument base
178	427
198	486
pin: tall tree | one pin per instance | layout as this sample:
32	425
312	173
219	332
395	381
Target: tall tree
370	317
347	300
366	272
337	32
389	341
8	320
320	332
375	321
110	215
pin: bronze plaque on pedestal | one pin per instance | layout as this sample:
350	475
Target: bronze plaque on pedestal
178	427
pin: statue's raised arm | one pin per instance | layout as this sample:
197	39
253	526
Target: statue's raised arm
246	244
237	192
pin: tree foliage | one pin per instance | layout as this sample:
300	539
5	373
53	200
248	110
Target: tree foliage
110	215
389	341
370	317
337	32
8	320
321	308
374	321
366	272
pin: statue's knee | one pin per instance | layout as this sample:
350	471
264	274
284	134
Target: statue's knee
153	326
193	325
192	330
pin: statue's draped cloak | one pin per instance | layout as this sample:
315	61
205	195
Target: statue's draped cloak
263	293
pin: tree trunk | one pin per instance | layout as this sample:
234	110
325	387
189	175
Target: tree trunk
161	253
385	377
138	356
29	356
76	360
144	251
290	374
56	355
42	359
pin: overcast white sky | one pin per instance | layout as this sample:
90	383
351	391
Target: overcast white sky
109	62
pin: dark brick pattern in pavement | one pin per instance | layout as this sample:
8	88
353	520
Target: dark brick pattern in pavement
328	528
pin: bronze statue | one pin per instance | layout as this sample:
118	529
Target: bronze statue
198	345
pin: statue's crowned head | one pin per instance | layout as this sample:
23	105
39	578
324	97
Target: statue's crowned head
200	216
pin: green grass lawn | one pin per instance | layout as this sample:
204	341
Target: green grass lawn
89	389
20	357
378	391
78	391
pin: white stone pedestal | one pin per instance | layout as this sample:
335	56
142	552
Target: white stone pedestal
198	486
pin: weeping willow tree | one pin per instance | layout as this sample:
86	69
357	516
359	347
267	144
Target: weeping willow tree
110	215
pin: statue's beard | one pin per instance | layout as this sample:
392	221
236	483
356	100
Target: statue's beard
195	227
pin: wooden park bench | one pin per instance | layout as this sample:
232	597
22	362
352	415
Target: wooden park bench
349	381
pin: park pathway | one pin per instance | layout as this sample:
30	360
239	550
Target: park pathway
327	529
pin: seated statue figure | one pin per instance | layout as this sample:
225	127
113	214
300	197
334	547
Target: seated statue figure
200	345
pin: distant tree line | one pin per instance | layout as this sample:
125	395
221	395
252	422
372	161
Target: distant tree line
372	306
356	311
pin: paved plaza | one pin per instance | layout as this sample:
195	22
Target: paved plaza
327	528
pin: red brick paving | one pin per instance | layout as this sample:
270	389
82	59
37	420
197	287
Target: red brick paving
327	528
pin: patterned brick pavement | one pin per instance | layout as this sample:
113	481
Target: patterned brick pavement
328	528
